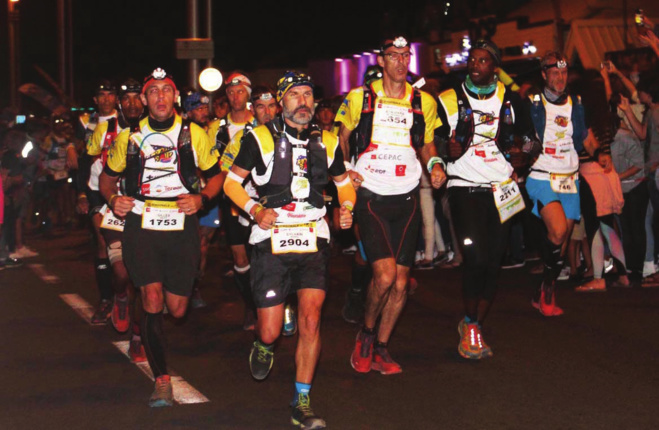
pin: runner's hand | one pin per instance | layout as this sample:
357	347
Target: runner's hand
82	206
266	218
121	205
345	218
356	179
437	176
189	203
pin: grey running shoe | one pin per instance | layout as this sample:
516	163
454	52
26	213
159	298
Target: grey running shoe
103	313
290	321
163	395
302	415
196	301
260	360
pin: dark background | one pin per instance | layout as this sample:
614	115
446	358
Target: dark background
122	38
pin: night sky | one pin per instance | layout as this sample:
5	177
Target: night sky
121	38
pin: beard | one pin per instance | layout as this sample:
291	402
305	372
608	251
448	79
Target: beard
302	115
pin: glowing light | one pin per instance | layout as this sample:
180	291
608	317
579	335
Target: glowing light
339	60
529	48
216	222
70	180
414	59
26	149
467	241
210	79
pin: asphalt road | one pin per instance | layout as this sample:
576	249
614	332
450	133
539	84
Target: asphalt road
593	368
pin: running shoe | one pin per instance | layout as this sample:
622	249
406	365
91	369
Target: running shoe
353	310
24	252
512	263
424	265
383	363
302	415
136	351
249	320
120	315
196	301
11	263
350	250
470	342
486	351
102	313
651	281
163	395
592	286
362	356
290	321
547	303
565	274
260	360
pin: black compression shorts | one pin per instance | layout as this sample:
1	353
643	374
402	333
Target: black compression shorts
389	225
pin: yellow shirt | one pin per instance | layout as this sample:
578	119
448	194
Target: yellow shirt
350	111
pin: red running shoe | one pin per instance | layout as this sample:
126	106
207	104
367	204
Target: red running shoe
383	363
120	315
136	351
547	306
362	356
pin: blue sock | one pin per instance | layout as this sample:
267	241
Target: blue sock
301	388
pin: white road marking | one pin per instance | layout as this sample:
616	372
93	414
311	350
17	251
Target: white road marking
79	305
41	272
184	393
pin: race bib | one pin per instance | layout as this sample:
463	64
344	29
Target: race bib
392	122
561	183
162	216
58	175
507	199
297	238
111	222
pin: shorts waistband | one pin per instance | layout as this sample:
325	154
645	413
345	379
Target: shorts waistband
368	194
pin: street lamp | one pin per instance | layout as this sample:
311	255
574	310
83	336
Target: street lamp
14	66
210	79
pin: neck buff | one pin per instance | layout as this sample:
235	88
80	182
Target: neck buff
556	99
481	90
162	125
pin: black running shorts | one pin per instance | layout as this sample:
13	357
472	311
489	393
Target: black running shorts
171	258
274	277
389	225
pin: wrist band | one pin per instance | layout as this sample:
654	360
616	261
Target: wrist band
433	161
112	197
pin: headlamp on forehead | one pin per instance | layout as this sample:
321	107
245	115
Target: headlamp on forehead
399	42
265	97
560	64
159	74
292	79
